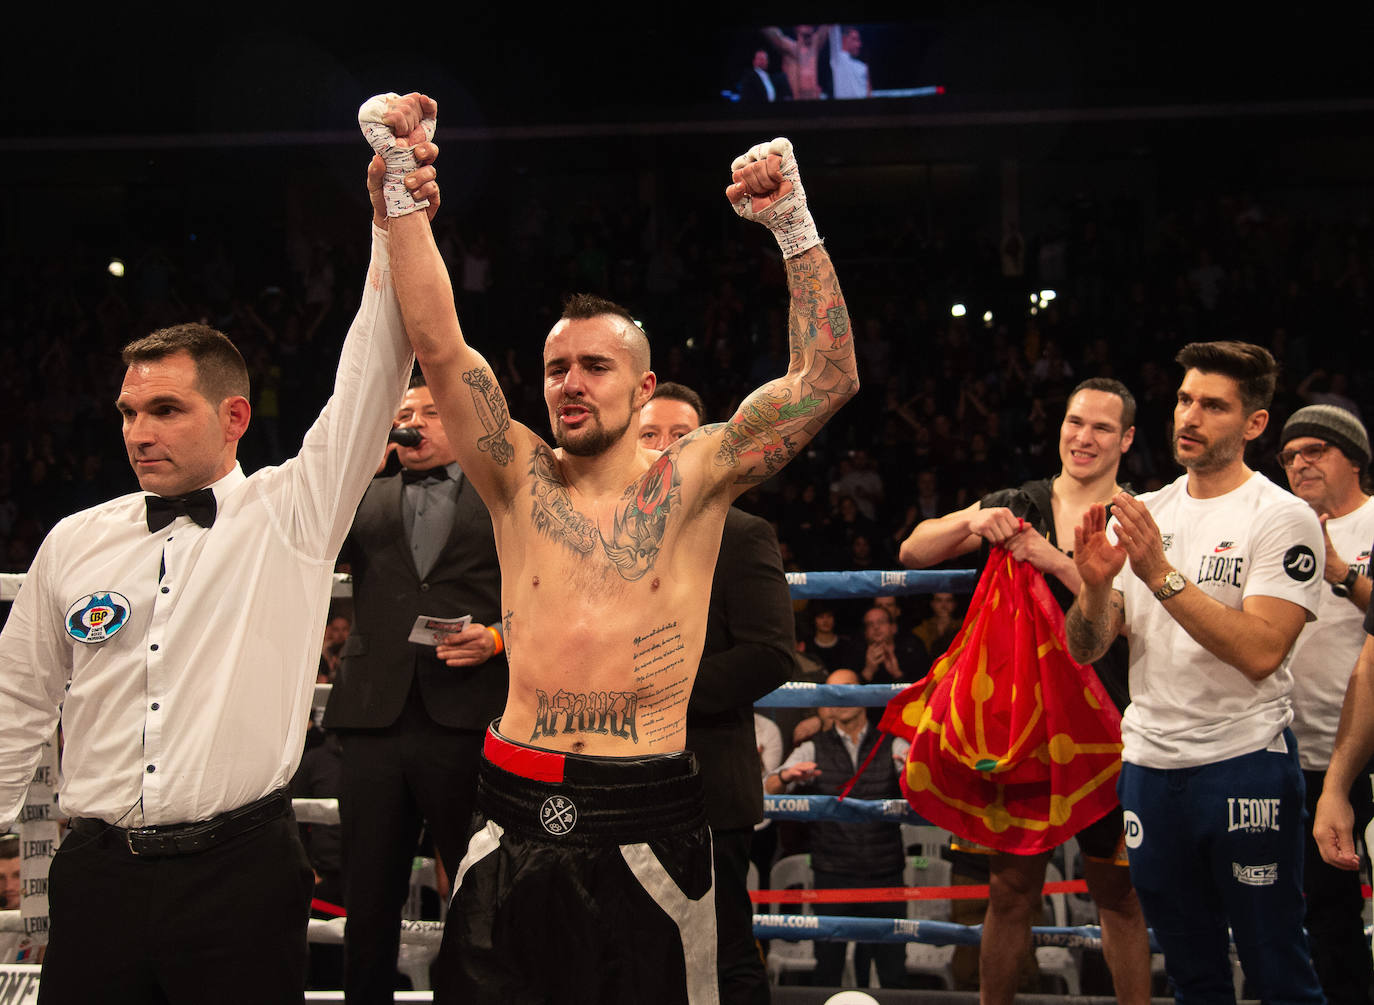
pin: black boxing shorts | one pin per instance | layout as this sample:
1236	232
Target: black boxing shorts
586	880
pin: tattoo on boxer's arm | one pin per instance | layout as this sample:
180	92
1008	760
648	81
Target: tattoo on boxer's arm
553	512
490	405
1089	639
605	713
776	421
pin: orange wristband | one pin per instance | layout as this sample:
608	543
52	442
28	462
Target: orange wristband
500	642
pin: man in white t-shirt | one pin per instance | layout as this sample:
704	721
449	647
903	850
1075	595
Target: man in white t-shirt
1225	569
1325	448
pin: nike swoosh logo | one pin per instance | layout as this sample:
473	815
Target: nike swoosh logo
1218	551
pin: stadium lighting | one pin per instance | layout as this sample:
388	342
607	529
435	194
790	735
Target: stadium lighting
1048	294
958	310
116	268
987	317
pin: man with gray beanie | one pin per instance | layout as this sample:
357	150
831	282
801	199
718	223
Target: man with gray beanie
1324	451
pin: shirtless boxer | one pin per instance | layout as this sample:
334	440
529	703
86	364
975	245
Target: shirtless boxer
588	874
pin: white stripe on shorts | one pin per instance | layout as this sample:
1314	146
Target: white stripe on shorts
480	845
695	920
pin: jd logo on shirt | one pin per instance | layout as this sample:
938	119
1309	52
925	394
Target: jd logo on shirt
1300	563
97	616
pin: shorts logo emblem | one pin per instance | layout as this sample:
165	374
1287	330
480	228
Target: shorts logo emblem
558	815
1256	875
97	616
1134	833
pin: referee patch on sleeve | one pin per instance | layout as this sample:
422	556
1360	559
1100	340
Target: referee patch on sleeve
1300	563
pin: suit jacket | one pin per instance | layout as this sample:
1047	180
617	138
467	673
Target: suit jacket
379	665
750	640
752	92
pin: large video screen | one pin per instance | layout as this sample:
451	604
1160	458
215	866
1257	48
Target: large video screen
839	61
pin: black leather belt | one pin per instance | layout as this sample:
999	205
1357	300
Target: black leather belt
187	839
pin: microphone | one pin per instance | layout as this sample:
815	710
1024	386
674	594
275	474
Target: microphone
405	437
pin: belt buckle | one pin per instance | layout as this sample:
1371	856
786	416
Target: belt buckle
133	832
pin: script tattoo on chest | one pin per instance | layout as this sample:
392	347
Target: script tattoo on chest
605	713
664	683
490	405
553	511
638	526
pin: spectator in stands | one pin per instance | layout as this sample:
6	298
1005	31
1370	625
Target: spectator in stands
938	630
889	658
859	479
846	855
835	651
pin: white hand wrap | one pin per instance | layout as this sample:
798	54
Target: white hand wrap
400	161
788	218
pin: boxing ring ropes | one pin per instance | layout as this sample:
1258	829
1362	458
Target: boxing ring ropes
424	936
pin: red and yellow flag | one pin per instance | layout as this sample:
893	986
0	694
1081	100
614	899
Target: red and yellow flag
1013	744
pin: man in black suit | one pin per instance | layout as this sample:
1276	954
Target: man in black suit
750	639
758	86
411	716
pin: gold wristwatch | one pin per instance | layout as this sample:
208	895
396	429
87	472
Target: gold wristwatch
1173	583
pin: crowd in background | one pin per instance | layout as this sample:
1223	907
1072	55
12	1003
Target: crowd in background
951	407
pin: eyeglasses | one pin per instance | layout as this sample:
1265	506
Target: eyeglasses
1311	453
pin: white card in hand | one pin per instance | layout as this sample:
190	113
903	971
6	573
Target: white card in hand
430	631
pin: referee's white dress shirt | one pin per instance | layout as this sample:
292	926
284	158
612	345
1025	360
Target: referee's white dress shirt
189	695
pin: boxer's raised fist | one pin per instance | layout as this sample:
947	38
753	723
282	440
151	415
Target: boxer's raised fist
394	126
766	187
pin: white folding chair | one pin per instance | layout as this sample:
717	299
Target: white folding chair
937	961
924	839
792	872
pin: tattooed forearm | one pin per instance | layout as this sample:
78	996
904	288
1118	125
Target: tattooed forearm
1089	637
553	512
756	430
818	313
605	713
664	684
776	421
490	405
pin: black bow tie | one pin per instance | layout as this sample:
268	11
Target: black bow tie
410	476
198	505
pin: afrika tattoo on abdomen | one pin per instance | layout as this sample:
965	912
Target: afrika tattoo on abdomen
657	708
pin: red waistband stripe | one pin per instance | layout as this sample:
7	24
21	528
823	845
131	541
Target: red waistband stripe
527	762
